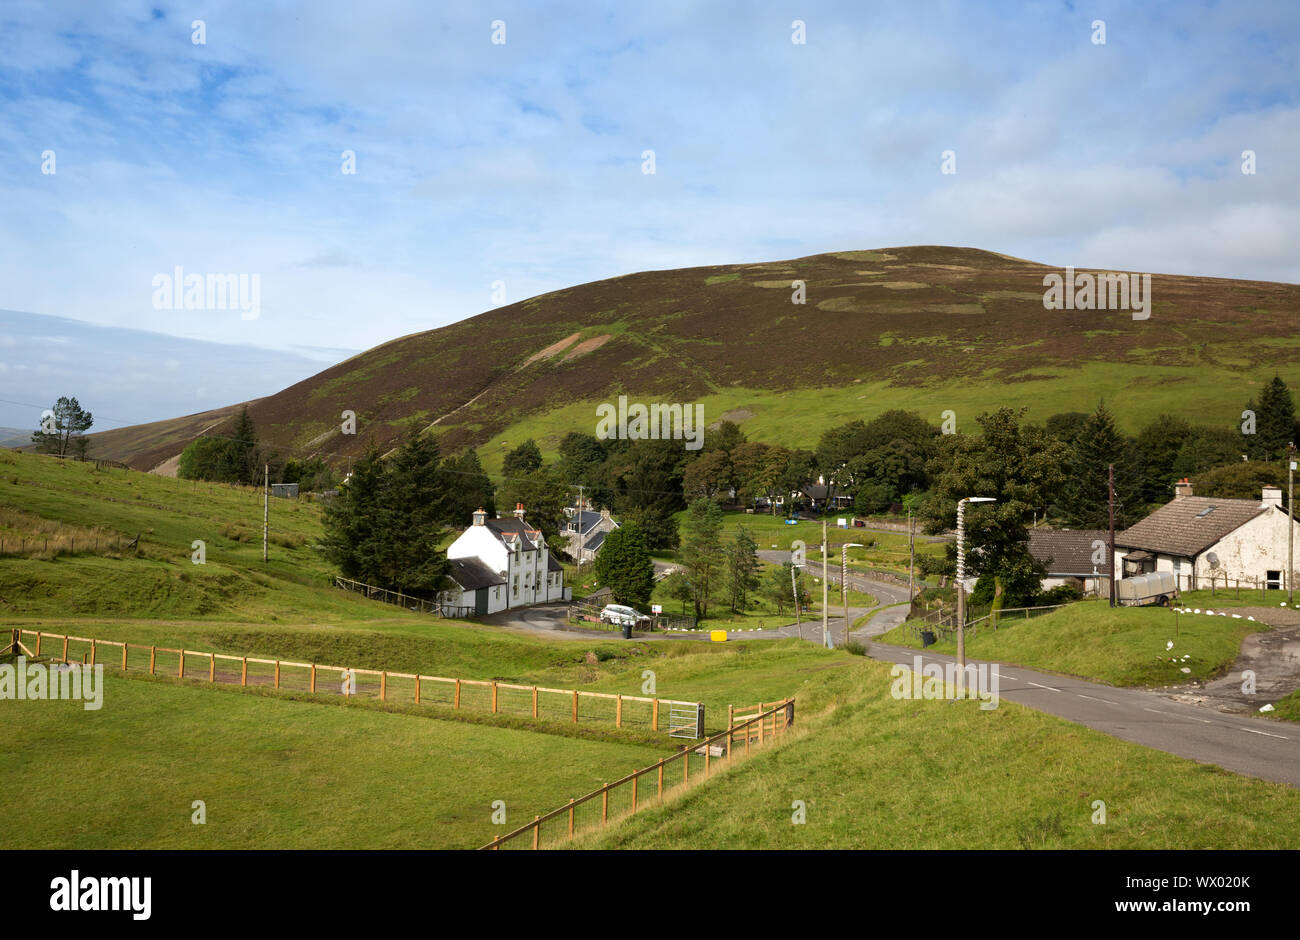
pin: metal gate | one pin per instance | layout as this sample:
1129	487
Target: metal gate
686	720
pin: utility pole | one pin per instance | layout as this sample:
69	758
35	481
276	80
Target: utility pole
1110	562
580	505
826	623
266	506
1290	524
794	589
961	590
844	582
911	556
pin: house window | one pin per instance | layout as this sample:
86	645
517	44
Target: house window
496	593
1273	579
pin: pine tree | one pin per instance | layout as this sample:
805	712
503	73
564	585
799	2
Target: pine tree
702	551
523	460
625	567
1083	502
352	520
1274	421
742	569
62	432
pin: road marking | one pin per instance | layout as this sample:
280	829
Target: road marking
1048	687
1081	695
1266	734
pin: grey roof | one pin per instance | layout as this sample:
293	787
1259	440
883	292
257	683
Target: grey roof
593	544
512	528
552	564
471	574
1189	525
1066	551
584	519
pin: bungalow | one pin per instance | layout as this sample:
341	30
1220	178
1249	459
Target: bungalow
585	532
1199	538
1069	556
502	564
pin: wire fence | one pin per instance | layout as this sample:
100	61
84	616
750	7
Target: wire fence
419	604
676	717
650	785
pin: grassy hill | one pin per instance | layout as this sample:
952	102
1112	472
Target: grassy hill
928	328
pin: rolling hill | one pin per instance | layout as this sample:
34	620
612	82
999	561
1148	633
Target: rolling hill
928	328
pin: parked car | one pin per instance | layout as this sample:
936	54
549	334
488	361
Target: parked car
620	616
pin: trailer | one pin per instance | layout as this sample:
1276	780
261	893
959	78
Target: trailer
1156	587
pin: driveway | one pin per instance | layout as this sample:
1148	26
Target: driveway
1273	656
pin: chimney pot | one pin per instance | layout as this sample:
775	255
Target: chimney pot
519	511
1182	488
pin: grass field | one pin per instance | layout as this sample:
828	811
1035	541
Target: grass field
1123	646
275	774
882	773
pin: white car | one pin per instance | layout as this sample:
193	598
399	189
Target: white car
619	615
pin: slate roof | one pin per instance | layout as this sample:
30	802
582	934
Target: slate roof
1184	527
583	520
1066	551
552	564
511	529
471	574
593	544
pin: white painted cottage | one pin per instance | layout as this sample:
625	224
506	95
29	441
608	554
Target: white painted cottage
1197	537
499	564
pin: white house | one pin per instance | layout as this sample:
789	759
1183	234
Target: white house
503	563
1199	537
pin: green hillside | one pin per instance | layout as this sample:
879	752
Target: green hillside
925	328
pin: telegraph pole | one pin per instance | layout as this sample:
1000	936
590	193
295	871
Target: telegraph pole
266	506
1110	562
580	505
1290	524
826	624
911	556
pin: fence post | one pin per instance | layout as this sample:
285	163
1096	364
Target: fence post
212	667
634	780
383	686
731	716
93	647
417	688
570	817
125	647
707	748
686	765
575	706
180	670
38	642
153	656
65	648
654	716
604	804
537	832
534	701
243	672
456	700
313	677
618	715
661	780
277	673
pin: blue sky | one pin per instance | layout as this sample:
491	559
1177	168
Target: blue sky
522	162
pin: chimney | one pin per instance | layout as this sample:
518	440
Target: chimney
604	513
480	517
519	511
1182	488
1272	497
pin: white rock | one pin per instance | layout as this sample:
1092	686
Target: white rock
1267	708
1185	669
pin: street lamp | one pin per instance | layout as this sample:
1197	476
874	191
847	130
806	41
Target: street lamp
961	574
844	582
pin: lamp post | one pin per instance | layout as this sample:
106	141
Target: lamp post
961	574
844	582
1290	523
826	624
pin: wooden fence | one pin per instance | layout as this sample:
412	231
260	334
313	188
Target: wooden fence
403	600
65	545
625	796
568	705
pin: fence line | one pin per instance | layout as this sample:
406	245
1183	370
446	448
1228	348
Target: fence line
420	604
570	705
753	730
